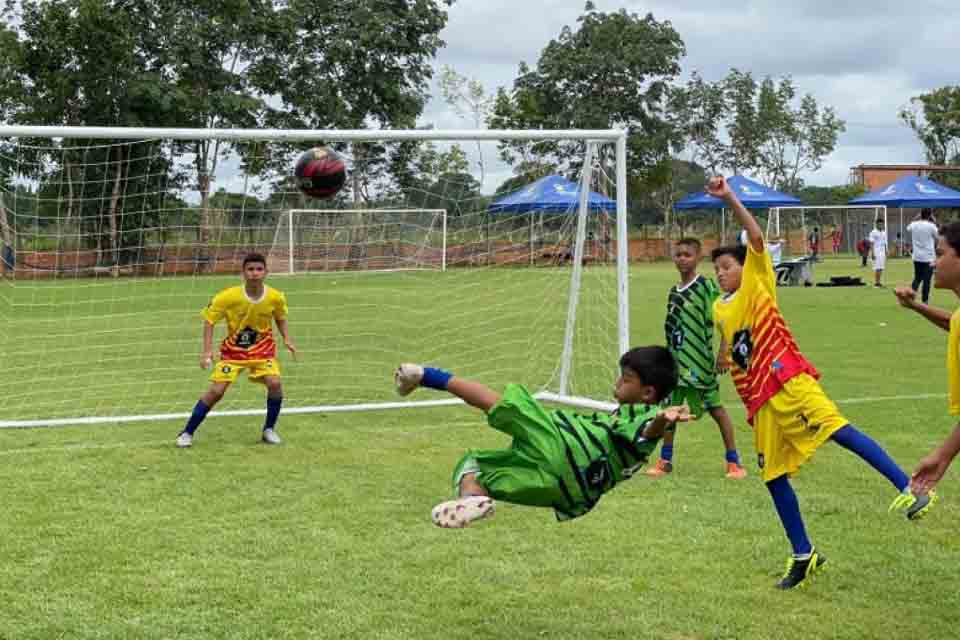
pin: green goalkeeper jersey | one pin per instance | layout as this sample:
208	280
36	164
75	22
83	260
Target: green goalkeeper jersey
689	332
600	451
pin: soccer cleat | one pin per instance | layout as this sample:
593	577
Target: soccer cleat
799	572
270	436
407	377
457	514
184	440
735	471
662	468
914	507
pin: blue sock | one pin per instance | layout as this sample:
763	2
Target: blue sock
435	378
733	456
788	508
666	452
200	411
273	412
867	448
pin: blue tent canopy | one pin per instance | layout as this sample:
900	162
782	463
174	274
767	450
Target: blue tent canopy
752	194
911	192
553	194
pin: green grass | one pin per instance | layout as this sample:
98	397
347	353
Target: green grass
110	532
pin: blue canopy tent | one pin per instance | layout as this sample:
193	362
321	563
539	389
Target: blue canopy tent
752	194
549	195
553	194
911	192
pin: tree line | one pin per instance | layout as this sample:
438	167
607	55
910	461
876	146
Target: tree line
353	65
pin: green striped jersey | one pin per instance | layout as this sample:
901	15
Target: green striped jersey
600	450
689	332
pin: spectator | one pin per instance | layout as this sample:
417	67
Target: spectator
923	239
837	239
814	240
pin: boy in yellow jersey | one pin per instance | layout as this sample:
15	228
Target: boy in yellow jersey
790	413
946	276
250	311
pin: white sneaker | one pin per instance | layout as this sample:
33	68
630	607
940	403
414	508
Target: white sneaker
270	436
184	440
407	377
457	514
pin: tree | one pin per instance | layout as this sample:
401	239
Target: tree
743	126
611	71
935	118
470	101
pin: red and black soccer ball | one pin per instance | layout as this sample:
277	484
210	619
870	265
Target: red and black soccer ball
320	172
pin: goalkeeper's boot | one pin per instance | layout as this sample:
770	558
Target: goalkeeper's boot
407	377
184	440
459	513
662	468
799	572
270	436
914	507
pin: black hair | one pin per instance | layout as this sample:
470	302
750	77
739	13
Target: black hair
655	366
693	242
739	253
951	233
926	214
254	257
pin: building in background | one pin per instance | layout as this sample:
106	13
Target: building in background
874	176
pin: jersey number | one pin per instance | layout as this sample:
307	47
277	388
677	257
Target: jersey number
676	339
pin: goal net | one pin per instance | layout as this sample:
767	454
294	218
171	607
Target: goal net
325	240
114	240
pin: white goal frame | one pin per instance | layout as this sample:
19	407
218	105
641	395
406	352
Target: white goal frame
291	240
591	138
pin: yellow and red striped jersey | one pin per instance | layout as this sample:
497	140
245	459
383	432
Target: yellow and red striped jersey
762	350
249	322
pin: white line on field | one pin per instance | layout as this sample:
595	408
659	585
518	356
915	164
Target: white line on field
433	427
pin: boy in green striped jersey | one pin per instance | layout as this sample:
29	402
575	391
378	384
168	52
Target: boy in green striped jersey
689	335
557	458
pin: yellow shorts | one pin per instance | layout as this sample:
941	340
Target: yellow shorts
257	370
791	425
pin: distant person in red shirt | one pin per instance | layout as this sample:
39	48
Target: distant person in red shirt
837	239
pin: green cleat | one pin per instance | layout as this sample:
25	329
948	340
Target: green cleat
915	507
799	572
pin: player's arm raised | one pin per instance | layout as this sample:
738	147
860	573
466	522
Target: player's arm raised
718	188
907	298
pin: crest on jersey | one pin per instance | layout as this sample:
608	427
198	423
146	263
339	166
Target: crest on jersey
246	338
676	339
742	349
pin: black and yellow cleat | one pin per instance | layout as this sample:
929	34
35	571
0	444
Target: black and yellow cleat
914	507
799	572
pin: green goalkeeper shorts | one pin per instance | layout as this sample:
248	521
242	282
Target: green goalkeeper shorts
699	400
524	473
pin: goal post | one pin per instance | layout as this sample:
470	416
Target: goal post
120	242
319	240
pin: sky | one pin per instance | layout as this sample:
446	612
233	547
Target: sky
865	59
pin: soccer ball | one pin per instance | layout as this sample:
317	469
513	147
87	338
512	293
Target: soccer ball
320	172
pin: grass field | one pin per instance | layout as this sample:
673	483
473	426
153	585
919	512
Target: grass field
110	532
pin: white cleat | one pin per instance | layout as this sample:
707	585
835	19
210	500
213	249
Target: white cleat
184	440
270	436
457	514
407	377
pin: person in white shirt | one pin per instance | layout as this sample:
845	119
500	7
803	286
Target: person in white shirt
923	238
775	248
878	247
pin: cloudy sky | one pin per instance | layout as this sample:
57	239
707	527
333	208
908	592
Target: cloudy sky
866	59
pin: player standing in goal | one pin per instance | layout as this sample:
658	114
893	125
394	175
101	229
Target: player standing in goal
558	458
790	413
250	311
689	335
